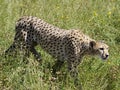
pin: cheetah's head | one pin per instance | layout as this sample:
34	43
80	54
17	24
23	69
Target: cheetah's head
100	49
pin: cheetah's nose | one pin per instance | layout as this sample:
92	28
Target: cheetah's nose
107	56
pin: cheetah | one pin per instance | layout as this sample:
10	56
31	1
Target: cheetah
64	45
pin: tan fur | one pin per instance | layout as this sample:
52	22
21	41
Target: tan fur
69	45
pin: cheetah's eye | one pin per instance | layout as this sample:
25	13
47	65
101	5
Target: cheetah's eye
101	48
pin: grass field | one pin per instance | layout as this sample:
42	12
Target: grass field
100	19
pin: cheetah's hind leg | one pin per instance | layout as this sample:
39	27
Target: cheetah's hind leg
36	54
56	67
11	49
16	44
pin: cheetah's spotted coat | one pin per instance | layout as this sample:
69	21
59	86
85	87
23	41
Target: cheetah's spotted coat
70	45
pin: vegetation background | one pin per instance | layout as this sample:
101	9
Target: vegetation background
100	19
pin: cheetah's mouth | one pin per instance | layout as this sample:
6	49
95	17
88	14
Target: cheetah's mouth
104	57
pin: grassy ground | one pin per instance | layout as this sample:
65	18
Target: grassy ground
100	19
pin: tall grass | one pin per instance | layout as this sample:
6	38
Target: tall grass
100	19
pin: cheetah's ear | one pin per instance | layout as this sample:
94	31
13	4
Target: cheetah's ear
92	43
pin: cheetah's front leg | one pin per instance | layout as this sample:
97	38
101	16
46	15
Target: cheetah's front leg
73	60
72	68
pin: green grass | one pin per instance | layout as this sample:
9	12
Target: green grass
100	19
